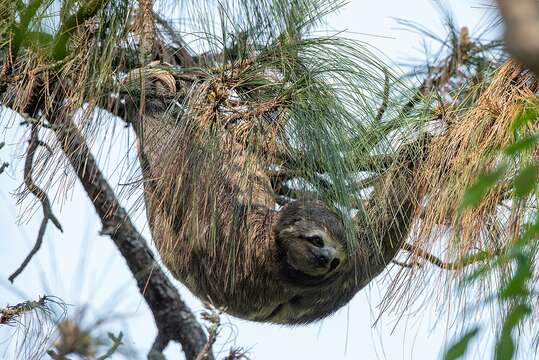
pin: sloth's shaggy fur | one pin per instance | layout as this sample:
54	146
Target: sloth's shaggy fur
211	210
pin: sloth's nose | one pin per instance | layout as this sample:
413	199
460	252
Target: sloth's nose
325	255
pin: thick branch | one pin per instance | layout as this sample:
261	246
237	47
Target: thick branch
173	318
521	18
159	344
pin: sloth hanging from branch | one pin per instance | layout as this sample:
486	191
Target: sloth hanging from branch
253	194
280	177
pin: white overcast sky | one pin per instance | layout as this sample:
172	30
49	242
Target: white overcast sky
83	268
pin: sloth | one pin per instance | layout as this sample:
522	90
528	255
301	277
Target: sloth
212	215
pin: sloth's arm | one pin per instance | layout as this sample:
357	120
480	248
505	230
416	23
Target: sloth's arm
388	217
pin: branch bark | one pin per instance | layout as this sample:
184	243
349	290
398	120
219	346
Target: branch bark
174	319
521	19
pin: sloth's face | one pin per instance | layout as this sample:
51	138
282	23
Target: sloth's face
311	250
313	253
311	243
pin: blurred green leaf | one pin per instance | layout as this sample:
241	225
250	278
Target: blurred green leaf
528	114
523	144
505	347
479	272
526	180
458	349
37	39
531	232
484	182
516	286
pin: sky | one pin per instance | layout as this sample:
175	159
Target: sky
83	268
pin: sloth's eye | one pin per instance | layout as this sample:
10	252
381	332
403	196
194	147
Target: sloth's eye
316	241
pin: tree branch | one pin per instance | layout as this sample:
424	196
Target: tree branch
174	319
521	19
159	344
457	265
40	195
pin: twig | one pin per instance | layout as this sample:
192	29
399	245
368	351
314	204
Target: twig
173	318
116	342
457	265
41	196
9	313
405	264
213	316
385	99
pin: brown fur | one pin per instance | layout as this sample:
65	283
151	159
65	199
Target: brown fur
210	207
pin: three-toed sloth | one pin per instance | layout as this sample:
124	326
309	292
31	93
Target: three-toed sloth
212	215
